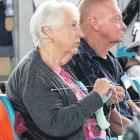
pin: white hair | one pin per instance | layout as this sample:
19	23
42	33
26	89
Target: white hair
38	2
49	13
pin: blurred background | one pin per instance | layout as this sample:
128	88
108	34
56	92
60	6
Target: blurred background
15	39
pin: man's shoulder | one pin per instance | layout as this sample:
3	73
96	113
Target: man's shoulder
112	55
83	53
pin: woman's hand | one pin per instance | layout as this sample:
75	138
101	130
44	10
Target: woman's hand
117	96
103	87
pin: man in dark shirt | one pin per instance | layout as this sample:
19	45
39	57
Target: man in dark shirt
89	66
102	25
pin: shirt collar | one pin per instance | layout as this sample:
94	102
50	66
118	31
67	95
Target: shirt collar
88	50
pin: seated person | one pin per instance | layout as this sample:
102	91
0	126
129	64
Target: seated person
45	92
134	70
131	66
94	59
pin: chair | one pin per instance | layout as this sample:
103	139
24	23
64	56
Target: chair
122	52
137	84
7	118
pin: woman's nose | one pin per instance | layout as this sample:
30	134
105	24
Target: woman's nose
80	33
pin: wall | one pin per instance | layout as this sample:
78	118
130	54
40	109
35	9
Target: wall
22	38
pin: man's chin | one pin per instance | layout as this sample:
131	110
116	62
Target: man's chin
120	40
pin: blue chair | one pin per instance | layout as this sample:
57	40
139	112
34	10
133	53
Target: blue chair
122	52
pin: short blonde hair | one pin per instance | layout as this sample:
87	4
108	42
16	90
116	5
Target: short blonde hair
85	5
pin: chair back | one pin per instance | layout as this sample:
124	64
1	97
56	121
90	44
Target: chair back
7	119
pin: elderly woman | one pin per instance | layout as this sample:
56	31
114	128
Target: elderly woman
45	92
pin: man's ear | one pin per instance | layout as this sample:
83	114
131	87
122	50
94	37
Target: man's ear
48	32
95	24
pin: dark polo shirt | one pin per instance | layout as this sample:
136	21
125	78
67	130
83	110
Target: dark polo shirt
89	66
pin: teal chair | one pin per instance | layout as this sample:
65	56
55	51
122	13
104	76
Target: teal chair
122	52
137	84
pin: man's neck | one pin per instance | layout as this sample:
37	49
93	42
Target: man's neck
101	47
101	51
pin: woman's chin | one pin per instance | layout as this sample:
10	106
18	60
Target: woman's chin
76	51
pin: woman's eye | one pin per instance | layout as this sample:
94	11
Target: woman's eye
73	25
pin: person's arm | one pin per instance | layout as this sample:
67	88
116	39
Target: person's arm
133	106
52	114
53	118
132	61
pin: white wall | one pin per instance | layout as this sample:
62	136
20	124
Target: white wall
22	38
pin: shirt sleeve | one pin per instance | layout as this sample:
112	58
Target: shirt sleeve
48	110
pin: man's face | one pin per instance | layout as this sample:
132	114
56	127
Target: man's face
112	26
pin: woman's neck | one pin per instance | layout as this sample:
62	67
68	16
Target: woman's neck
50	57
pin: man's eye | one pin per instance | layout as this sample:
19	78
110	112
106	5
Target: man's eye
118	20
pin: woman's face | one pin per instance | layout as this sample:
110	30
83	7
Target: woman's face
67	37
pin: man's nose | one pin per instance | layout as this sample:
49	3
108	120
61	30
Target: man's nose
124	26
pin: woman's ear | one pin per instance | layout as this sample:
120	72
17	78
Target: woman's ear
47	32
95	24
